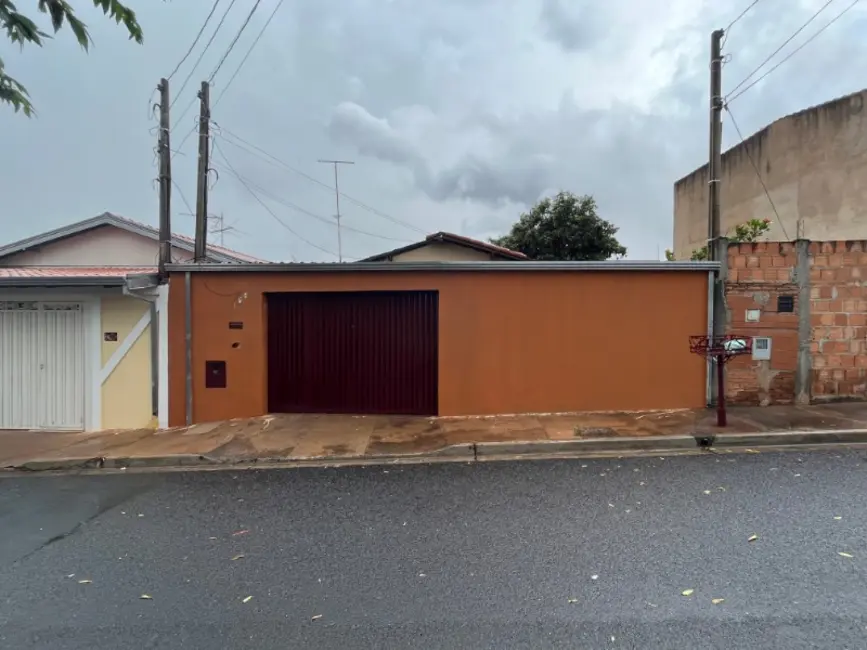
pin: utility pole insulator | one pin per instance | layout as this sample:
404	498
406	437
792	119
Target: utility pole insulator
201	241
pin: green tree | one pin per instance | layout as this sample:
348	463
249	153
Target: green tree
565	227
744	233
22	30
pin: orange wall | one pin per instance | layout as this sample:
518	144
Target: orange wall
509	342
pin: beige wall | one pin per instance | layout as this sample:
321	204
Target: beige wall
126	392
442	252
814	164
104	246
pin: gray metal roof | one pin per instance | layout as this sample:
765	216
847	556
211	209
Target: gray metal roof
404	267
216	253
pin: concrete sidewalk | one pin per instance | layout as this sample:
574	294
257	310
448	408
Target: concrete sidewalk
306	438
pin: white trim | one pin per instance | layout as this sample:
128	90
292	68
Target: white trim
92	305
124	347
93	412
163	359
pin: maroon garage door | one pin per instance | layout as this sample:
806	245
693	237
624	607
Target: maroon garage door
353	352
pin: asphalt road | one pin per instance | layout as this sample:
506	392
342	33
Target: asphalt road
548	554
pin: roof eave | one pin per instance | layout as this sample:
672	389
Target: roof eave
48	282
403	267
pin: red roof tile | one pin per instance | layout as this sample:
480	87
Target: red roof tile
73	271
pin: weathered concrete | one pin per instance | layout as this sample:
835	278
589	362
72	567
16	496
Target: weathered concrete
814	166
804	370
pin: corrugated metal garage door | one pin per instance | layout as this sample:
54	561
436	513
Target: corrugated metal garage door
353	352
42	372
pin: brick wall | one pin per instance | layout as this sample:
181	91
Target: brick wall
758	275
838	319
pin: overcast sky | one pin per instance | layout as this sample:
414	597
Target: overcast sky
458	114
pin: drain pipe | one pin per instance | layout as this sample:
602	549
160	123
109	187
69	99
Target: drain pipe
188	346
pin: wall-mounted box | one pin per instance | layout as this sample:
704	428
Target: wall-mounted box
762	348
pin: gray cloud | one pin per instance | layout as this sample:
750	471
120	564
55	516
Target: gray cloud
458	114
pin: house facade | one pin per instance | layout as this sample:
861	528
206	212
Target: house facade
813	165
437	339
80	349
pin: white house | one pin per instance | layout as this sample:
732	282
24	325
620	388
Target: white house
78	349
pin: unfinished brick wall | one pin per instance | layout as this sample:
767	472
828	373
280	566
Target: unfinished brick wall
758	274
838	319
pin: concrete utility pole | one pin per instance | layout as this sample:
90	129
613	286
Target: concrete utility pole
201	245
717	246
715	163
165	158
337	202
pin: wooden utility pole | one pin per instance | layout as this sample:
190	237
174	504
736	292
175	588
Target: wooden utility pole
165	158
337	202
201	245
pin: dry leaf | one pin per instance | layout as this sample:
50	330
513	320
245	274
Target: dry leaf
751	451
145	597
247	599
717	601
706	491
240	532
688	592
316	618
838	518
572	601
238	557
752	538
844	554
85	582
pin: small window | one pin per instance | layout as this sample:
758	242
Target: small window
786	304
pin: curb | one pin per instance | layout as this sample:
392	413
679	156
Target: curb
470	452
491	450
782	438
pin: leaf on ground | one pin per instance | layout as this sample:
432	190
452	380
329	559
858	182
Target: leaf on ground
85	582
247	599
721	488
212	538
844	554
717	601
752	451
688	592
145	597
752	538
140	515
71	575
838	518
238	557
316	618
705	491
240	532
594	577
572	601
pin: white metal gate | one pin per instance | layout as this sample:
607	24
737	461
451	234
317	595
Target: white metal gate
42	370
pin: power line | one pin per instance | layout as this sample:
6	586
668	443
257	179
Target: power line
267	209
758	173
271	159
249	51
795	51
199	60
183	198
786	42
313	215
740	15
235	40
196	40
